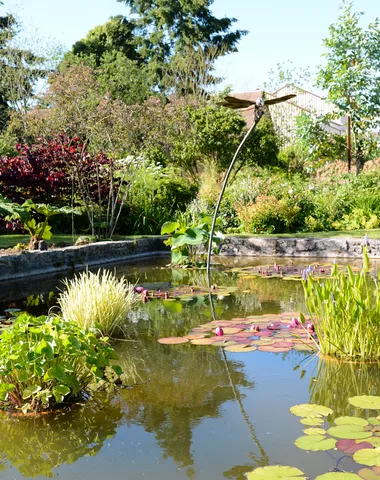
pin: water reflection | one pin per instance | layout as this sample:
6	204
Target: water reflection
185	385
336	381
37	445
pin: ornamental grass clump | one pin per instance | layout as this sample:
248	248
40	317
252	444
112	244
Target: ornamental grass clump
345	310
97	301
46	362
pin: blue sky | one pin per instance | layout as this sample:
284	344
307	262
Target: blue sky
279	30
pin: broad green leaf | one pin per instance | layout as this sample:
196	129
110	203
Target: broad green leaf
314	431
169	227
315	443
349	432
59	392
312	421
310	410
373	421
369	402
368	457
117	369
338	476
56	372
5	388
31	390
351	421
276	472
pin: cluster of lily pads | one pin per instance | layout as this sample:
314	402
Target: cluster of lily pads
350	435
266	333
290	272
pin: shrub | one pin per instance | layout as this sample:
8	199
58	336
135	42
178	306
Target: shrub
345	310
97	301
46	361
268	215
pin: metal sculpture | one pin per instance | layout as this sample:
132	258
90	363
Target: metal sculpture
256	103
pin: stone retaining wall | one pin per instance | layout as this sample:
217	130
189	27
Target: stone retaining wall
30	263
70	258
338	247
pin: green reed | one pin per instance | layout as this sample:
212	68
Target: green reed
345	309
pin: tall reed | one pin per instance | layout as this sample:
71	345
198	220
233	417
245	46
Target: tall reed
98	300
345	310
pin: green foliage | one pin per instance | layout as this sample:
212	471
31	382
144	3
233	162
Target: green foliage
268	215
27	214
156	193
97	301
319	145
46	361
165	29
350	76
185	239
346	313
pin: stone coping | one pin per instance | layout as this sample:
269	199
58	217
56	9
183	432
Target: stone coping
31	263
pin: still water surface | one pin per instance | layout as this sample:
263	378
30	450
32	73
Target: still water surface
196	412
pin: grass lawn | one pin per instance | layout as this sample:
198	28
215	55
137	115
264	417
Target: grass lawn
9	241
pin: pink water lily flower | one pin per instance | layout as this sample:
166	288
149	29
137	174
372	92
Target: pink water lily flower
219	331
295	322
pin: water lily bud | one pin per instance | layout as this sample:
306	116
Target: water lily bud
145	293
295	322
219	331
166	296
311	327
255	328
139	289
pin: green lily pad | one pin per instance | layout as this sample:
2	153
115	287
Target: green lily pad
314	431
312	421
338	476
276	472
368	457
315	443
310	410
351	421
370	402
368	474
373	421
353	432
375	441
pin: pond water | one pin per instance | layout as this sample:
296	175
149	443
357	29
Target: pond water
196	412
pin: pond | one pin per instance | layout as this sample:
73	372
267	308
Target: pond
195	412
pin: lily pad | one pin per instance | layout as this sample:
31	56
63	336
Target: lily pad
349	432
351	421
351	446
231	330
201	341
373	421
315	443
314	431
375	441
338	476
370	402
276	472
368	457
310	410
223	343
368	474
240	348
303	347
273	349
173	340
312	421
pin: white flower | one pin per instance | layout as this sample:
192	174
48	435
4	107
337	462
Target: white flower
290	191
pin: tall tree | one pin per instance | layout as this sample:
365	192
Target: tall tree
351	77
166	28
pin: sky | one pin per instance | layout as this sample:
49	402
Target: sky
279	30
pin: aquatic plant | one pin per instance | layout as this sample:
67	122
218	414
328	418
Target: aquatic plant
345	310
184	240
46	361
97	301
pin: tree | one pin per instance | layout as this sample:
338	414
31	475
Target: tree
351	78
166	28
110	50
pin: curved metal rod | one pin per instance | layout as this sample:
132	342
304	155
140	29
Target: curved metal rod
258	115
